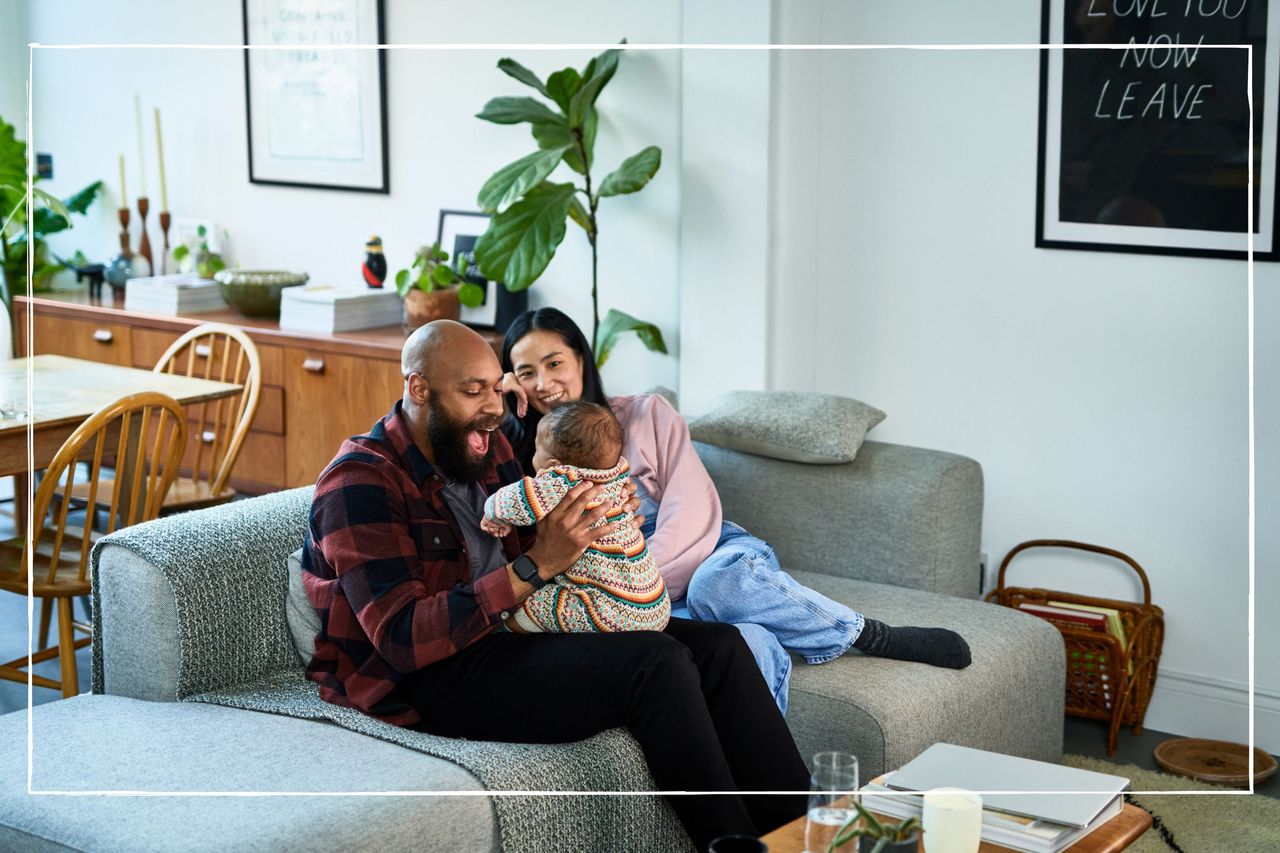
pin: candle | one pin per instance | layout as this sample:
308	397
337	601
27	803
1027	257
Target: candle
124	194
164	195
142	167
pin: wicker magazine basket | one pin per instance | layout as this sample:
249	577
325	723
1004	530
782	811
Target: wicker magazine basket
1105	679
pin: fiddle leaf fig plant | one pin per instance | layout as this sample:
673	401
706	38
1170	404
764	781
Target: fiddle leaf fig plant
430	271
531	212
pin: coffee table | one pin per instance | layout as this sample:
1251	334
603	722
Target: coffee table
1116	834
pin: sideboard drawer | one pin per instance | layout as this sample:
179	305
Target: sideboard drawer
106	343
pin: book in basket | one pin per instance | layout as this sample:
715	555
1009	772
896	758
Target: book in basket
325	309
182	293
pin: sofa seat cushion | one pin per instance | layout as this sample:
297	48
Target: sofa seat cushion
1010	699
100	743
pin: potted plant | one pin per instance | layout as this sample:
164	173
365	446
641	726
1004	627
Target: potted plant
204	261
50	216
878	836
432	289
530	212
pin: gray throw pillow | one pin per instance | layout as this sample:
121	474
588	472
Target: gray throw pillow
793	425
303	620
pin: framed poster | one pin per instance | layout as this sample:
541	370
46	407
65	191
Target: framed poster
457	233
317	116
1146	148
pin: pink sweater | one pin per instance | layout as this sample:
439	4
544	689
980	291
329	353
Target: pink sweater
665	464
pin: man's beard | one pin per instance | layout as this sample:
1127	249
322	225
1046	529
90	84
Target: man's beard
448	437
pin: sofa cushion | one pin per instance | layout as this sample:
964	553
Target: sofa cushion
304	621
1010	699
791	425
97	743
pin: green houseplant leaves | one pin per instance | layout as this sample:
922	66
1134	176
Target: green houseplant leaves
531	212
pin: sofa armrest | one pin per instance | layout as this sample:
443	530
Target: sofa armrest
899	515
196	602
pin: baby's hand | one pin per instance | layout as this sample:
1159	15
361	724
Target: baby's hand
495	528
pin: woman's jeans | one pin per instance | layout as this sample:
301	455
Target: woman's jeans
742	584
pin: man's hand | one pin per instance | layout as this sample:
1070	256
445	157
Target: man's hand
495	528
565	532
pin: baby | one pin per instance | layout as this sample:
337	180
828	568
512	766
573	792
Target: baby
614	585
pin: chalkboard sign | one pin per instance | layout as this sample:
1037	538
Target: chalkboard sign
1145	136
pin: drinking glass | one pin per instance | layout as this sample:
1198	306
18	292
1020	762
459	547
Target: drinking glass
952	820
832	788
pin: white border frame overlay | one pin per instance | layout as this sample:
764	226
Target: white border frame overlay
1058	234
31	147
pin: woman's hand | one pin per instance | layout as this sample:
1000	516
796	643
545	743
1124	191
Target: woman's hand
565	532
511	385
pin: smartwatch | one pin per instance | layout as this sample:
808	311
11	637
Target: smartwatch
527	570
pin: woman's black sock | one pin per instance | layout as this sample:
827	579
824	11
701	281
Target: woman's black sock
936	646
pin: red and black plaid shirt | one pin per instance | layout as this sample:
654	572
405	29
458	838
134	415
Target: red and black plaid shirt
386	566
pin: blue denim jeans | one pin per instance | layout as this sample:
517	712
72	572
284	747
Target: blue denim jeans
742	584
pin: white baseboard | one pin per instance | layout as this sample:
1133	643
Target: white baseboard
1194	705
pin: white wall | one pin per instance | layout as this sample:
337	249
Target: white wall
1104	394
439	154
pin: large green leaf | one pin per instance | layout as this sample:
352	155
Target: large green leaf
471	294
560	136
633	174
617	323
519	72
80	202
522	239
553	135
515	179
584	99
605	64
562	85
13	159
508	110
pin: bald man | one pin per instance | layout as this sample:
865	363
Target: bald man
412	597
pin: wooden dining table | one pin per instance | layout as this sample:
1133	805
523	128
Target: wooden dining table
65	392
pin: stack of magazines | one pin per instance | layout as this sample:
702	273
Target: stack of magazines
1064	804
181	293
325	309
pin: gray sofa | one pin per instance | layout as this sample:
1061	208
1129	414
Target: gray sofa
198	695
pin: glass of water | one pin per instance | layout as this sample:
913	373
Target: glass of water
832	788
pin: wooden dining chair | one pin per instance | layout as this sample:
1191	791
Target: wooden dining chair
146	434
218	427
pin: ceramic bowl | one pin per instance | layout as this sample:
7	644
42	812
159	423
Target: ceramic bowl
256	293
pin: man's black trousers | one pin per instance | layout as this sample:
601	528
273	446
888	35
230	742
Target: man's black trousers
691	695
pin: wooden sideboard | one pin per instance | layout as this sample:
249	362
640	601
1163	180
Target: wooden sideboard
317	389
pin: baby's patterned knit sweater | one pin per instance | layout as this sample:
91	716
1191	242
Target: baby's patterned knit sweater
614	585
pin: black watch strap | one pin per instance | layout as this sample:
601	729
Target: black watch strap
527	570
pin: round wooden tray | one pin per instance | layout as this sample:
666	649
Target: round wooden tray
1217	761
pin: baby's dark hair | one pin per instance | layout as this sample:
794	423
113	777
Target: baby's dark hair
586	435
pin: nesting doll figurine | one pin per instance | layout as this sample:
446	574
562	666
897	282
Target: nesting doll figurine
374	267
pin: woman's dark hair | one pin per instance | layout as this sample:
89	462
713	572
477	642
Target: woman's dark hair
521	432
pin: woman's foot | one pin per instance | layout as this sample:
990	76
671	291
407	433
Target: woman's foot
934	646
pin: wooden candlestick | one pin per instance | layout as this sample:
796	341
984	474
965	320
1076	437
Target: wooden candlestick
164	228
144	243
124	232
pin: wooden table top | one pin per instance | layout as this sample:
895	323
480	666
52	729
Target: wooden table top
66	391
1114	835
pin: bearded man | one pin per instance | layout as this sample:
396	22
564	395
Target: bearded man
412	597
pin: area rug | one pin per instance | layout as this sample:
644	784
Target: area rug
1198	824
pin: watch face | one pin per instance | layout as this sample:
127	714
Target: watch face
526	569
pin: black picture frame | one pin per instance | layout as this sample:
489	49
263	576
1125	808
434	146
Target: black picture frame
1117	175
457	232
284	154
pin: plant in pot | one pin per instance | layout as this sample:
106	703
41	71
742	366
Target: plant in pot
432	289
531	213
49	216
196	254
878	836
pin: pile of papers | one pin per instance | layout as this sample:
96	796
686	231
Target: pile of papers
1065	805
182	293
325	309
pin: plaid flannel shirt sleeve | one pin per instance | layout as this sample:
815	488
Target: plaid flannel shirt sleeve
408	604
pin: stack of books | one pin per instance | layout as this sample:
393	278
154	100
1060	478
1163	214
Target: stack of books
182	293
1086	617
325	309
1067	805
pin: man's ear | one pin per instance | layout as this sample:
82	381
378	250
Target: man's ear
418	390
